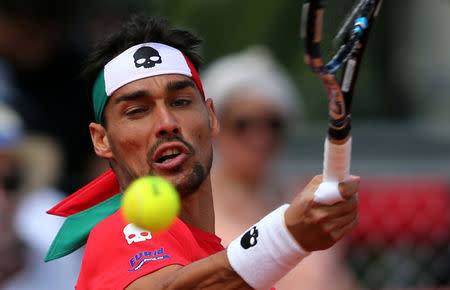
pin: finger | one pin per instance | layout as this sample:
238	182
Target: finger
348	188
345	207
347	228
340	208
341	221
316	180
311	187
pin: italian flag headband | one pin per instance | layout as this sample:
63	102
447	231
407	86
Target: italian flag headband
138	62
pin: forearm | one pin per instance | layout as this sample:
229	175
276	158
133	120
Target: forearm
213	272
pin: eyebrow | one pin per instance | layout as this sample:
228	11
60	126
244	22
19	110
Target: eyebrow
171	86
179	85
132	96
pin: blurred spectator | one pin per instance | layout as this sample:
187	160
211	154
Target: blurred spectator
255	100
40	60
25	229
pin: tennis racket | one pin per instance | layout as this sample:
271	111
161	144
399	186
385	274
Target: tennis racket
352	39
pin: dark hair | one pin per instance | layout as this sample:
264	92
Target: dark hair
139	29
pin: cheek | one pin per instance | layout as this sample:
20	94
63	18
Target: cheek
131	144
201	131
199	135
130	140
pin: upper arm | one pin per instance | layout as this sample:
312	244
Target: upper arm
213	272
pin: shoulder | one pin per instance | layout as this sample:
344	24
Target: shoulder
108	227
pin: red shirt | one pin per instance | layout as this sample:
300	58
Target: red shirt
118	253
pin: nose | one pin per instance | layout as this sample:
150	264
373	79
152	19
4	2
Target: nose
166	123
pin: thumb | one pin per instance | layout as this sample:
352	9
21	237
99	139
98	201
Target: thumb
349	188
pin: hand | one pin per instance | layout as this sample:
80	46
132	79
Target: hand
318	226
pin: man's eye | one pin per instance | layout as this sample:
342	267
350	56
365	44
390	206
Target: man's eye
181	103
135	111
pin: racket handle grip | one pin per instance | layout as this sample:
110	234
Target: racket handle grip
336	168
336	160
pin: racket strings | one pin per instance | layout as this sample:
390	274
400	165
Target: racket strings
350	35
344	28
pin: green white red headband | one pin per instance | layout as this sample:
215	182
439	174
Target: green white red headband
138	62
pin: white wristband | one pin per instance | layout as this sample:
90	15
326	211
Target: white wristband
266	252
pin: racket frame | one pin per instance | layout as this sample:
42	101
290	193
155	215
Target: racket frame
337	153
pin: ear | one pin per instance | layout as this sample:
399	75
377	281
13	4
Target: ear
100	140
213	121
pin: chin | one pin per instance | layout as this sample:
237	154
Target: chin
190	183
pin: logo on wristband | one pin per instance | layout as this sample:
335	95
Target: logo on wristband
249	240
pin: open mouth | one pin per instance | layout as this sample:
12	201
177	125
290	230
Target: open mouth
168	155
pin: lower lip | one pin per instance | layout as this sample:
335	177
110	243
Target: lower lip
173	163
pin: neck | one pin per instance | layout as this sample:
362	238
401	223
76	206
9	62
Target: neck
197	209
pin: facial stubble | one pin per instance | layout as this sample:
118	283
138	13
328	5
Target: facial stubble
199	172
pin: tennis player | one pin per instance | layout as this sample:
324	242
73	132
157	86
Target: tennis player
152	118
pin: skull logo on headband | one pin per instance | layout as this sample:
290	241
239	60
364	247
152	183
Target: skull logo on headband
147	57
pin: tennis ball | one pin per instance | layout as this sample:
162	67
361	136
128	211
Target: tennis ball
151	203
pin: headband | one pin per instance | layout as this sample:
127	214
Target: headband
138	62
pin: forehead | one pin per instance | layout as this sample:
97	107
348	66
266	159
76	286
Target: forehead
156	85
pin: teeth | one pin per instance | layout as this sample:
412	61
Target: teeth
171	151
168	155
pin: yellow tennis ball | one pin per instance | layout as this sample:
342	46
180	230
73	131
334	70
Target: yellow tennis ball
151	203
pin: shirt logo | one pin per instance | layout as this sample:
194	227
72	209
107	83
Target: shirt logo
139	260
146	57
134	234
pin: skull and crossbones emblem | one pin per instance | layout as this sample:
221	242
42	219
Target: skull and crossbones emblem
146	57
134	234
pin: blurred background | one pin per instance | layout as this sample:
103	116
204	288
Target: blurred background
401	112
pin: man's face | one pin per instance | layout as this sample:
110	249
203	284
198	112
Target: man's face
250	135
159	126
